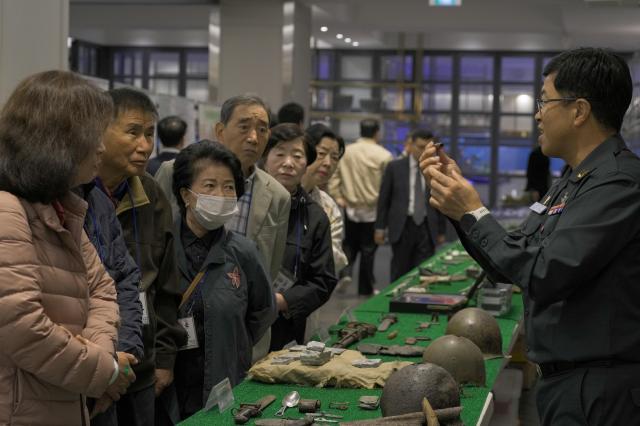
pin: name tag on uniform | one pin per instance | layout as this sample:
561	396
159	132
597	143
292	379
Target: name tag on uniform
145	311
192	337
538	207
283	282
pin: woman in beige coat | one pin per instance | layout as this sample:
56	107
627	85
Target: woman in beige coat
58	311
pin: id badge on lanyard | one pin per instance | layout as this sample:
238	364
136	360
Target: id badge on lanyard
189	326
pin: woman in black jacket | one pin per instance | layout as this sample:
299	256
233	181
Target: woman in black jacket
307	277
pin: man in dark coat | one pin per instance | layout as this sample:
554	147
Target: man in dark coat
413	226
577	255
171	132
103	229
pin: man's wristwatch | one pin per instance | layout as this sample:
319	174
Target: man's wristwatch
470	218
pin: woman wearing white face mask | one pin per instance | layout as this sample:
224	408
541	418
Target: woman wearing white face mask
227	301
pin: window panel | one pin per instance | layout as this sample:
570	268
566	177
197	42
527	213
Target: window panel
436	97
474	128
198	63
475	160
395	131
324	61
516	129
518	68
165	86
476	97
164	63
437	68
396	67
357	94
481	184
476	68
356	67
513	160
516	99
322	98
438	124
396	100
198	90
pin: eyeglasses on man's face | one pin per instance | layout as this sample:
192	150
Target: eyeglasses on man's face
540	103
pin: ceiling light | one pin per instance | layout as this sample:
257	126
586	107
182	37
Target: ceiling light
339	36
355	44
324	29
347	40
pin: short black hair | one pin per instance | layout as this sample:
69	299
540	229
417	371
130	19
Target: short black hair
598	75
291	113
318	131
286	132
247	99
369	127
171	130
421	134
126	99
189	163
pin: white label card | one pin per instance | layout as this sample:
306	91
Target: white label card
192	337
538	207
221	395
145	310
283	282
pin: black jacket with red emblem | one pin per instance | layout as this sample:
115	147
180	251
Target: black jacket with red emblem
232	306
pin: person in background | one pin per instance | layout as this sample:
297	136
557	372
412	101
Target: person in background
577	256
58	310
355	186
227	297
329	149
291	113
538	174
403	210
145	216
307	277
171	132
103	229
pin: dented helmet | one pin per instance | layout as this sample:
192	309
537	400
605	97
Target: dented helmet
479	327
459	356
405	389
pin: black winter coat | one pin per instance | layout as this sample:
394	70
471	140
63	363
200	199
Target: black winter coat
309	256
103	228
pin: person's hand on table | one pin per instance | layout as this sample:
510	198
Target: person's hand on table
281	303
164	377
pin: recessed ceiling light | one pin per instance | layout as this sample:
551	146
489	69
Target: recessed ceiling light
355	44
324	29
347	40
339	36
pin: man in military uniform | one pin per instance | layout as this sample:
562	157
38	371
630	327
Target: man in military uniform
577	255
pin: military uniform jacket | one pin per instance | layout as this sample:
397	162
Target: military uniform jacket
577	261
238	305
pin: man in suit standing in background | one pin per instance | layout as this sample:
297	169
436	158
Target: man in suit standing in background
171	131
403	208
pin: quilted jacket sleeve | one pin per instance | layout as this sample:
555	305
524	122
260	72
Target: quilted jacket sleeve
29	338
103	319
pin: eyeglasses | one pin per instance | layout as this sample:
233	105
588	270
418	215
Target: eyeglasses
540	103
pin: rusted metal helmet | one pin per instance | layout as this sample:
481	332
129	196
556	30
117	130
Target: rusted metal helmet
459	356
479	327
404	390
